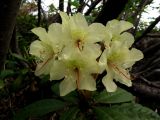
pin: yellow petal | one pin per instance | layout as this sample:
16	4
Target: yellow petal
65	18
124	25
126	39
44	67
87	82
68	84
41	33
96	33
122	75
108	82
57	70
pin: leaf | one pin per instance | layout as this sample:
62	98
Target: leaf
75	3
1	84
118	96
70	114
6	73
127	111
18	57
39	108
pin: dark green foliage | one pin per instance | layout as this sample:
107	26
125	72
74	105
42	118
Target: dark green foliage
39	108
119	96
128	111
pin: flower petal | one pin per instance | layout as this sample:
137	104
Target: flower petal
108	82
123	76
124	25
65	18
57	71
91	50
44	67
96	33
36	48
133	56
55	32
126	39
41	33
40	50
78	20
68	84
116	27
103	61
87	82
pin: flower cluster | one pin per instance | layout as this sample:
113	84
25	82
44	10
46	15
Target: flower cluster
71	51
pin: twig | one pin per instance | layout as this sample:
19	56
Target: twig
145	90
149	82
39	12
92	6
150	27
61	5
69	7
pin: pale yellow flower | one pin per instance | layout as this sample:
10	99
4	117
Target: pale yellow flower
47	48
77	67
118	56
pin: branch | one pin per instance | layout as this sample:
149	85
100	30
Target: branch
150	27
69	7
61	5
93	5
80	8
145	90
111	10
39	12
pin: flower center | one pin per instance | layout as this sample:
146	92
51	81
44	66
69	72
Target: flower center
79	44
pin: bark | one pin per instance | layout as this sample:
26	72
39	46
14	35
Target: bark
61	5
69	7
8	12
14	43
39	12
111	10
146	31
93	5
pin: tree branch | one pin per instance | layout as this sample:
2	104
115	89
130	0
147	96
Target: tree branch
69	7
150	27
93	5
61	5
111	10
39	12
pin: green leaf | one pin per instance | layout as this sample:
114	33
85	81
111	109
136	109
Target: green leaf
1	84
127	111
70	114
6	73
39	108
18	57
119	96
75	3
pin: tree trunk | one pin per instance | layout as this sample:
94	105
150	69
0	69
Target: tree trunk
111	10
8	12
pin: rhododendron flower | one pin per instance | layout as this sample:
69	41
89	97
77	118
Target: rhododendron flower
71	52
78	59
80	33
77	67
47	48
118	56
